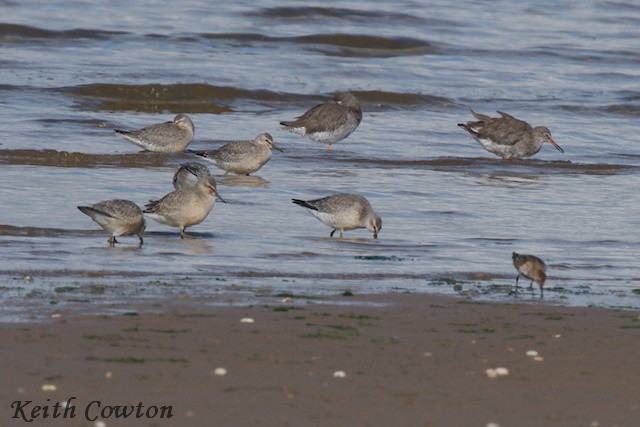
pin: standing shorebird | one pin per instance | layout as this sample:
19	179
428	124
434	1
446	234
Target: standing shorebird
117	217
344	212
188	174
330	122
507	136
168	137
186	206
531	267
242	157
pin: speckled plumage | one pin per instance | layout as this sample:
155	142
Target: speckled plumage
508	137
186	206
343	212
168	137
242	157
330	122
531	267
188	174
117	217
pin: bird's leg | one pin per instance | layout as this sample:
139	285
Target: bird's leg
517	277
183	234
531	286
541	292
141	241
333	232
341	234
112	241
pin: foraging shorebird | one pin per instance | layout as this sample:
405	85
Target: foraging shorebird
330	122
531	267
188	174
507	136
168	137
242	157
117	217
186	206
343	212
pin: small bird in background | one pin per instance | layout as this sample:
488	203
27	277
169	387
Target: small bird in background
507	136
117	217
330	122
186	206
168	137
343	212
242	157
188	174
531	267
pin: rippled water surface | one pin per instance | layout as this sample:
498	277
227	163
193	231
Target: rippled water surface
71	72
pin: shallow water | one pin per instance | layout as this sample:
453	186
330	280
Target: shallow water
452	212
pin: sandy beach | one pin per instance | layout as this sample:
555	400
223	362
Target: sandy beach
393	359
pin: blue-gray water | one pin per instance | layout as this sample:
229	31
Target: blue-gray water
71	72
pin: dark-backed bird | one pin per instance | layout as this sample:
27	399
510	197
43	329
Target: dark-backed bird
330	122
508	137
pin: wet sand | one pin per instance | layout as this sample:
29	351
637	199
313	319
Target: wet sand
408	360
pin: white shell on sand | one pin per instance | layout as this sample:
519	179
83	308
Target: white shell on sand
497	372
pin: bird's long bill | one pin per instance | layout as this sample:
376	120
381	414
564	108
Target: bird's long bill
220	198
277	148
552	142
375	234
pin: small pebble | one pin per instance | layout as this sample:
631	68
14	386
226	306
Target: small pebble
100	423
538	359
492	425
20	390
287	300
108	375
339	374
557	336
427	354
27	278
246	320
532	353
502	371
49	387
221	372
190	414
55	315
497	372
491	373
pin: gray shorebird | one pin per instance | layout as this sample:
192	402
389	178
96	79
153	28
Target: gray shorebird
330	122
168	137
242	157
507	136
188	174
186	206
343	212
117	217
531	267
